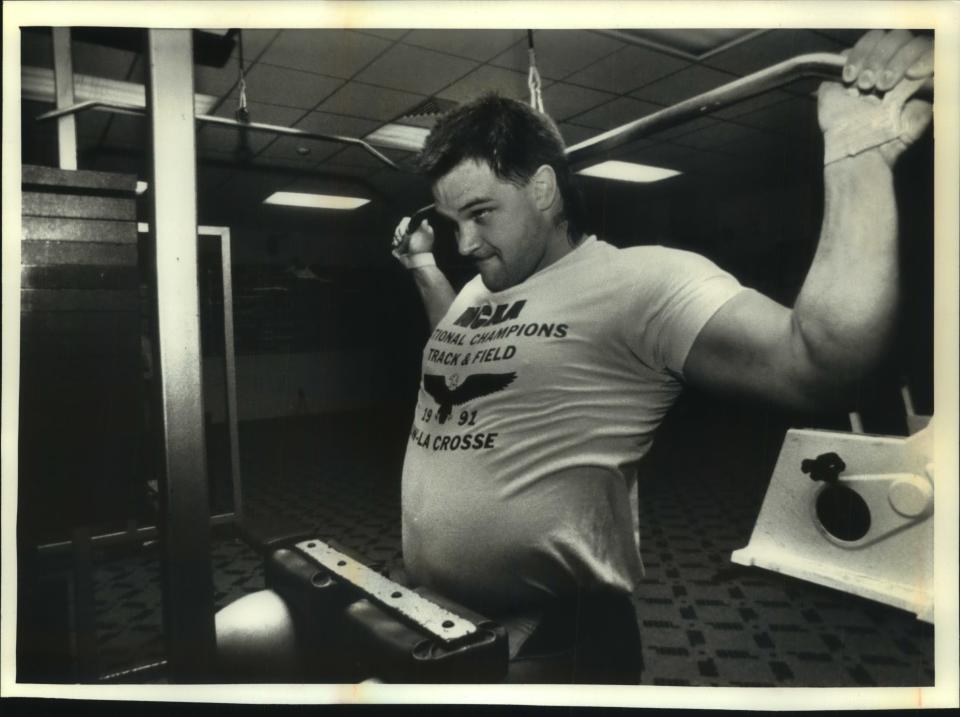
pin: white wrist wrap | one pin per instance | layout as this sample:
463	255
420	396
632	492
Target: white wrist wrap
869	128
854	136
415	261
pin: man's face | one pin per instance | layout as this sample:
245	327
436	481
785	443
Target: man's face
497	224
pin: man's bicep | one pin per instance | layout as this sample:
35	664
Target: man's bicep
749	348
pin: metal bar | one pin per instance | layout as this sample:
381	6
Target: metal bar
819	64
79	107
856	422
140	673
438	621
293	132
230	371
61	112
84	609
63	81
123	537
185	523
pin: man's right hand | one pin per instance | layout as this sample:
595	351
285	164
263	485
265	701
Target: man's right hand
419	242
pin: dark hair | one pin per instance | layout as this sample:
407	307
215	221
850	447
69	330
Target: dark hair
512	138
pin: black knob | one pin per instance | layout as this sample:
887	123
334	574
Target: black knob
826	467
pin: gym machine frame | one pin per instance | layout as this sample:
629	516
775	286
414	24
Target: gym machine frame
149	532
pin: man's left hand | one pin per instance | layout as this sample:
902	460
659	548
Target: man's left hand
873	107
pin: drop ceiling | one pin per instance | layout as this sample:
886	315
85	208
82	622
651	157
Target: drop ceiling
352	82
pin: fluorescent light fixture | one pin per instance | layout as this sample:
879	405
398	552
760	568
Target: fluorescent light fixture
628	171
315	201
36	83
142	187
399	136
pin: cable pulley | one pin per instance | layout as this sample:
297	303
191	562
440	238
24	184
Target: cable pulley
533	76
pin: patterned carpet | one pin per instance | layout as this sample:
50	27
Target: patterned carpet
704	621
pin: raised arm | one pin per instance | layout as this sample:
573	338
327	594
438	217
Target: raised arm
416	254
845	313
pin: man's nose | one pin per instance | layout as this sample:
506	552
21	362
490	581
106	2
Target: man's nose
467	240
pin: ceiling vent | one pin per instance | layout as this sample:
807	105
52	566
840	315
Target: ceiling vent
427	112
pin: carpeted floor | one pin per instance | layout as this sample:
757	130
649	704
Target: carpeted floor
704	621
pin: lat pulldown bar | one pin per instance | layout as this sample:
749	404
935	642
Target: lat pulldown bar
124	108
818	64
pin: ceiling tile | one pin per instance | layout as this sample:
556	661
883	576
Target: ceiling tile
254	42
633	147
558	52
348	169
388	33
797	116
478	45
488	79
292	88
682	85
685	128
262	112
413	69
682	159
715	137
845	37
574	134
704	162
658	155
291	149
615	113
804	87
216	81
224	139
337	53
770	48
102	61
320	184
359	157
378	103
744	107
36	49
562	100
214	156
337	124
265	161
627	69
758	143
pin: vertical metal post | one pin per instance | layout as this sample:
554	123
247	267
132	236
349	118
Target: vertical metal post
230	372
63	81
185	518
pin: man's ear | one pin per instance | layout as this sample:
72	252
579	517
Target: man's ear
544	186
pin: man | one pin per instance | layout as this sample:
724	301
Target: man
546	376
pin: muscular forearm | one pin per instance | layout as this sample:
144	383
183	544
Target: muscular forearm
435	291
846	310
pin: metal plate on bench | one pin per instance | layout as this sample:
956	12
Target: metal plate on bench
438	621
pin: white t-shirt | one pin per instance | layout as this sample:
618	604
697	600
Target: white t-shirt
535	405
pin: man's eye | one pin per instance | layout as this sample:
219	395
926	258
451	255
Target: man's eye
480	214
